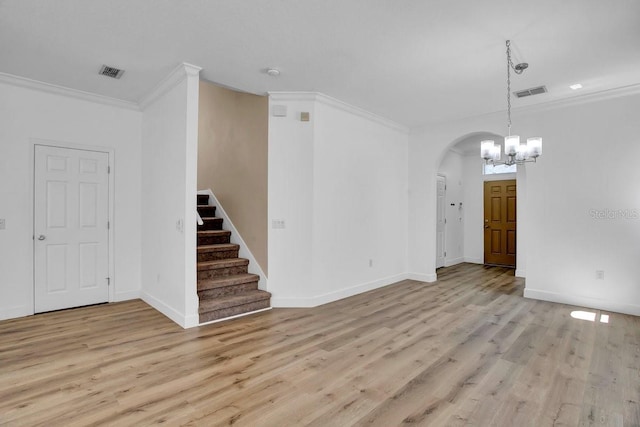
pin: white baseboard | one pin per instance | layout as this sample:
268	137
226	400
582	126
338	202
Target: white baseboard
191	321
474	260
453	261
583	301
317	300
126	296
429	278
14	312
521	273
163	308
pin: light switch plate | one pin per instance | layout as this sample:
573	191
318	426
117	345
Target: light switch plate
278	223
279	110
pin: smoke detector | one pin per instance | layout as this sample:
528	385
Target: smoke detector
273	72
112	72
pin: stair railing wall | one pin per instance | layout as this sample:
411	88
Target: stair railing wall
236	238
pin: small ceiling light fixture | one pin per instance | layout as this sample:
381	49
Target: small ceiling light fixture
273	72
576	86
515	152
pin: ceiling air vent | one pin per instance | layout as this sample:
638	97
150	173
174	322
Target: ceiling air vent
533	91
113	72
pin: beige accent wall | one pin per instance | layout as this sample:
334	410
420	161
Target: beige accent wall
232	159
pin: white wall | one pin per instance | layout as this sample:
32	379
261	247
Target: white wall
36	112
473	209
339	182
290	189
588	164
564	244
169	174
452	167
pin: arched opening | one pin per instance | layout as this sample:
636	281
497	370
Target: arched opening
460	226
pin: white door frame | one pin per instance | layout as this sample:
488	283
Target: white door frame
444	228
110	214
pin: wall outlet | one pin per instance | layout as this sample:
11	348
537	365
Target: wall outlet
2	224
600	274
180	225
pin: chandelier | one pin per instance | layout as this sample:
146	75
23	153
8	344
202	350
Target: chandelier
515	153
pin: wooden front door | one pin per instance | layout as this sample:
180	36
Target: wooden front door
500	223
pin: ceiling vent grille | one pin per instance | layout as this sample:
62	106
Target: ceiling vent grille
113	72
533	91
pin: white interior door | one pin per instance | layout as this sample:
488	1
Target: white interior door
441	220
71	237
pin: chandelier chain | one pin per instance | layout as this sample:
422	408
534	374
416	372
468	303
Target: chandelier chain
518	70
516	153
509	66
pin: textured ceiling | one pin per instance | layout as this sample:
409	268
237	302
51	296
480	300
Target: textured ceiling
415	62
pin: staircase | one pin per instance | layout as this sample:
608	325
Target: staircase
225	288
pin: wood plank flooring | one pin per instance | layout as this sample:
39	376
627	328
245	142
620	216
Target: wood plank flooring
466	350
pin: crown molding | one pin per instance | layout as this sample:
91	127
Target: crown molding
27	83
293	96
336	103
586	98
179	73
573	101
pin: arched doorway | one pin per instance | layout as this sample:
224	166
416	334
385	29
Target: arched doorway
460	236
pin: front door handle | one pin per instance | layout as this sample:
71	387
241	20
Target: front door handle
486	226
42	237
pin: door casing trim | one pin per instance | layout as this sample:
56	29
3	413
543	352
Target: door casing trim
444	257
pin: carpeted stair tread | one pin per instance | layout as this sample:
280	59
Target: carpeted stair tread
218	247
213	237
210	223
233	311
221	263
233	301
206	210
236	279
213	232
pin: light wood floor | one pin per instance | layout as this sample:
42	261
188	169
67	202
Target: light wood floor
467	350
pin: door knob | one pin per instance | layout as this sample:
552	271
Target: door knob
41	237
486	226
